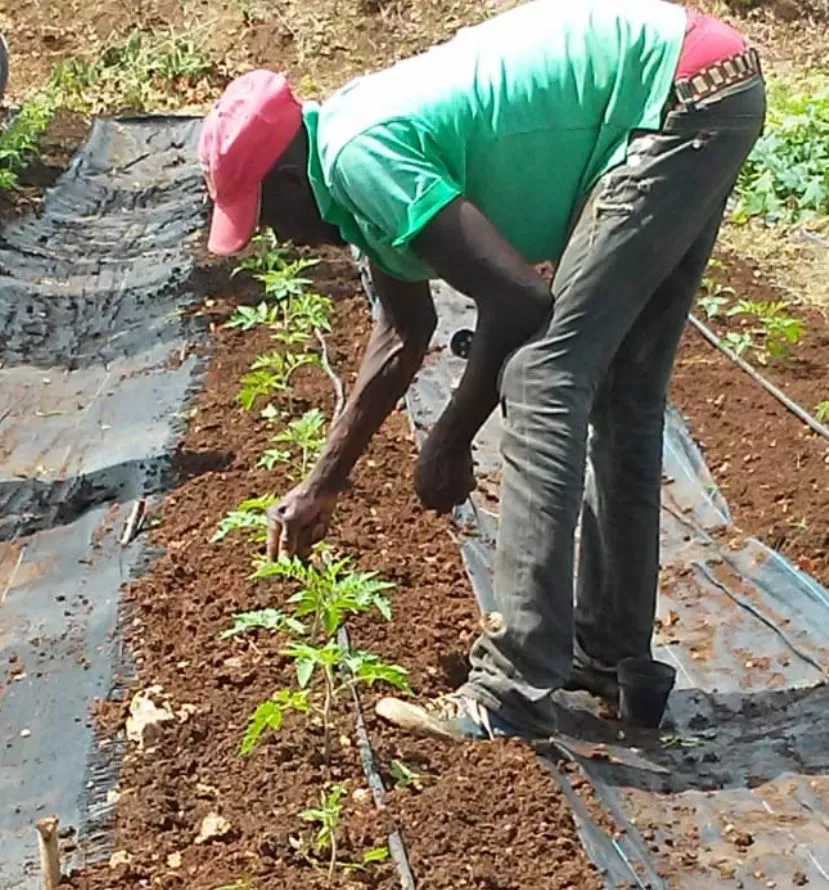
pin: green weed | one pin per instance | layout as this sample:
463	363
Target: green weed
404	776
822	411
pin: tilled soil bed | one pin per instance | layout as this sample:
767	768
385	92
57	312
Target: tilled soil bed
485	816
772	469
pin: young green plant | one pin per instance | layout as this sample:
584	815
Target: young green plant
250	516
270	715
327	817
356	667
305	436
272	373
777	329
329	591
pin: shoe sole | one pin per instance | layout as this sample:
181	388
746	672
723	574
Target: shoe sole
414	719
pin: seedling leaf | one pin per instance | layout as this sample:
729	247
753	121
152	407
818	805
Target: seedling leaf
266	619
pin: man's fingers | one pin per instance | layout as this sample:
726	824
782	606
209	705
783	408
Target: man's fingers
288	540
274	534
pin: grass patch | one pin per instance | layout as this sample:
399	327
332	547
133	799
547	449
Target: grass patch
137	74
786	177
149	70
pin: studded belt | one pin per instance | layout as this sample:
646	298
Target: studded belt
716	78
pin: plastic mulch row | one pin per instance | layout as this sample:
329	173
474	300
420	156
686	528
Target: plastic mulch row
736	788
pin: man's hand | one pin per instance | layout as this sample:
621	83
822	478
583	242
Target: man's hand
299	521
444	475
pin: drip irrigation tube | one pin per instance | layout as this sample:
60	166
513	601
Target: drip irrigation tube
781	397
397	847
396	844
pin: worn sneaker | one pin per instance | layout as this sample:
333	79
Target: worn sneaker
454	716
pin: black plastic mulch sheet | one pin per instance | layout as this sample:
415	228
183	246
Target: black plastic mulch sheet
94	385
734	793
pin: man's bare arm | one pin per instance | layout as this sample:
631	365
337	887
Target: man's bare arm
512	299
393	356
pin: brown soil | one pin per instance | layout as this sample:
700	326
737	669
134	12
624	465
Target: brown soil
479	823
771	467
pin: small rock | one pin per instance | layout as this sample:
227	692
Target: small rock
213	825
145	716
174	860
121	857
25	733
361	795
185	712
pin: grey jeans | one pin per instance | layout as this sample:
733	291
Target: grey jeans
601	365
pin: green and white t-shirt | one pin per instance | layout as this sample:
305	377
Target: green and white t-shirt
521	115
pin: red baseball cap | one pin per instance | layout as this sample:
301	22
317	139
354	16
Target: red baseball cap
243	136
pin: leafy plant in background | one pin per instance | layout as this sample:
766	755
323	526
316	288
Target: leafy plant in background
778	331
19	140
822	411
325	842
136	74
786	177
250	516
305	435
